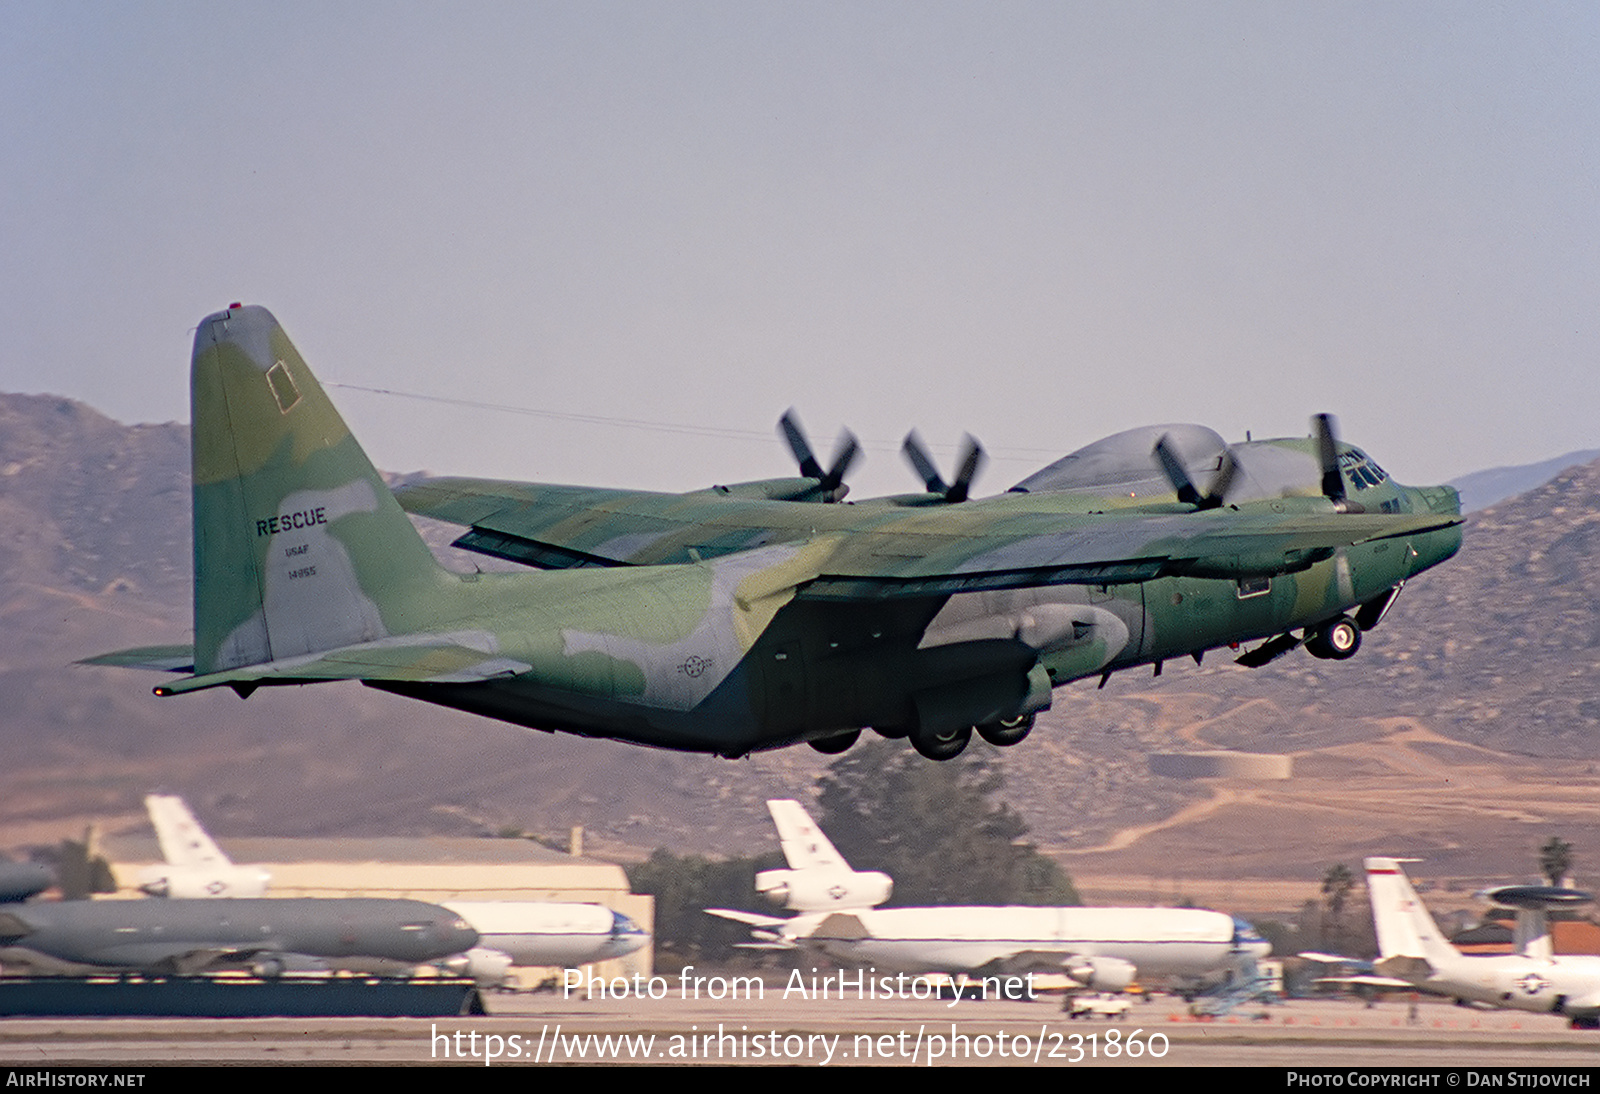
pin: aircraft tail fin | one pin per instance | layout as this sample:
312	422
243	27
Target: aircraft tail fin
804	845
1405	927
183	841
299	548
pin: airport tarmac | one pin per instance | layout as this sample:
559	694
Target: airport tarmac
524	1030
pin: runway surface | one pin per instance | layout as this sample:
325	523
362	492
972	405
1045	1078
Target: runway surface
545	1029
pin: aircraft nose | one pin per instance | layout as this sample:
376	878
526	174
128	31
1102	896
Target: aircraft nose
1442	499
626	935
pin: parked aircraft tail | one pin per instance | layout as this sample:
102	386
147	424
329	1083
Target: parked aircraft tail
819	879
195	867
804	845
1407	934
183	841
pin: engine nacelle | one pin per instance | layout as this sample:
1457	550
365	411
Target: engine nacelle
487	968
270	966
200	882
823	891
1101	973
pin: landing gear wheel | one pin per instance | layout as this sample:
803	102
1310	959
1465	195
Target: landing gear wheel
832	746
1335	641
1007	731
942	746
892	733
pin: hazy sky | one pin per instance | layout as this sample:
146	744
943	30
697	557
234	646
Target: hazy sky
1040	222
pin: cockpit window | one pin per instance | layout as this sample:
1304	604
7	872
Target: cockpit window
1245	931
1360	469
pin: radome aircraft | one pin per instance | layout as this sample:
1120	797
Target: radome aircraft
1103	949
751	617
195	866
265	936
510	932
1415	954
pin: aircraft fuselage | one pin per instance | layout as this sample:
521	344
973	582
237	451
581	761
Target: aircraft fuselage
816	670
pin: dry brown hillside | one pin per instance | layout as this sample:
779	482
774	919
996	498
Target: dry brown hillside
1465	729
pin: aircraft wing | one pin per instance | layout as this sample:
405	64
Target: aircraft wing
1048	549
880	551
1585	1004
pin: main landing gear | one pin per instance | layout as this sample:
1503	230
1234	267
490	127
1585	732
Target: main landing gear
948	744
945	745
1336	640
1007	731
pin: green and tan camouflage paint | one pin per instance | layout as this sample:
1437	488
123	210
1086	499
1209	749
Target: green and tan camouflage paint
722	620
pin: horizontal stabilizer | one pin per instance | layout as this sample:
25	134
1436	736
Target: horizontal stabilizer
1360	981
157	658
1407	968
421	659
749	918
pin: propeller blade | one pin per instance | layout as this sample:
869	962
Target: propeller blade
1176	474
789	426
844	454
1226	472
1328	455
917	453
831	481
972	459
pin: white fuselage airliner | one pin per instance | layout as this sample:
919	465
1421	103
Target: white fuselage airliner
1101	948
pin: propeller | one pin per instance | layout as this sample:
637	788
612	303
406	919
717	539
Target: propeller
831	481
1322	431
1167	454
972	458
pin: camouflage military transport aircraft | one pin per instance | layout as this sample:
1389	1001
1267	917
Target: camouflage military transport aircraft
756	616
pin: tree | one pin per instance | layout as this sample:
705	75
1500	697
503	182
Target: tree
1555	859
1336	886
684	886
933	828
